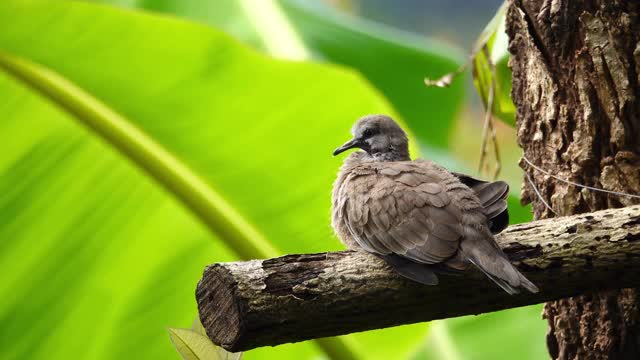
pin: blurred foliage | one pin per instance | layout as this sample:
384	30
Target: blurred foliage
496	41
393	61
92	246
106	250
469	338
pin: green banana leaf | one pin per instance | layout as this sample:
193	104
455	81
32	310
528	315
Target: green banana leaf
98	256
394	62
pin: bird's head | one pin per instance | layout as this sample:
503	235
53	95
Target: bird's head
380	137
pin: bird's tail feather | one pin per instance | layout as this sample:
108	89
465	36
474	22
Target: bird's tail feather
421	273
503	284
490	259
525	283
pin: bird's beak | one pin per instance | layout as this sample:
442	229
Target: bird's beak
346	146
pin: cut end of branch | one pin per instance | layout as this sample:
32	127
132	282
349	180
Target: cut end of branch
220	314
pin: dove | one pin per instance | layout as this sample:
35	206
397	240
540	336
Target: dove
415	214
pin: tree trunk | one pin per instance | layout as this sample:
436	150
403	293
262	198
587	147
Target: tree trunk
575	85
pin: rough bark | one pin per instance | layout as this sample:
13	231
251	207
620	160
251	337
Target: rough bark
249	304
576	86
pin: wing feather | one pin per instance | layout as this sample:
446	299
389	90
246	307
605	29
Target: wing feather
405	211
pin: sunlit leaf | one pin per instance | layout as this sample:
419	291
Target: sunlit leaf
395	62
93	245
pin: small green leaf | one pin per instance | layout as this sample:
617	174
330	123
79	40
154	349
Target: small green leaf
197	326
194	346
191	345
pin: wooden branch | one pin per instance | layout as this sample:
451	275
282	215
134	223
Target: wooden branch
244	305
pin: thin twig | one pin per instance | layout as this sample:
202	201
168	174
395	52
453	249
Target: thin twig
577	184
494	141
491	109
535	189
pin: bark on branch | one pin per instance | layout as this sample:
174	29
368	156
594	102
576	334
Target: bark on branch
244	305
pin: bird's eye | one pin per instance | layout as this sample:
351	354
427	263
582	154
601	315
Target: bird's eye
369	132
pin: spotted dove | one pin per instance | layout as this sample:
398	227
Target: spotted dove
416	215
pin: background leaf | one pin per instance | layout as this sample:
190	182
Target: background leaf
497	43
467	337
85	223
90	245
395	62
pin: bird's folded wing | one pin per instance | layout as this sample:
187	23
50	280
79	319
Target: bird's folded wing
403	210
493	197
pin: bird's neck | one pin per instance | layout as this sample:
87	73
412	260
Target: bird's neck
391	156
361	156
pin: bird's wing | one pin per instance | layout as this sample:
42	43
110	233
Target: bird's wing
493	197
403	209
